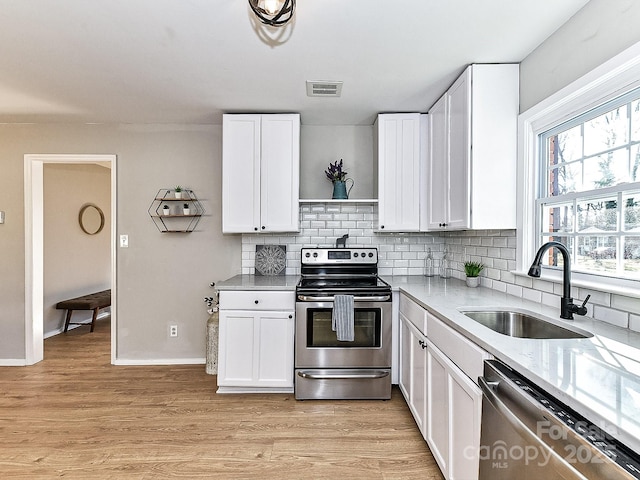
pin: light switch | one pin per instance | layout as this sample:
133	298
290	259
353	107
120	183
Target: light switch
1	217
124	241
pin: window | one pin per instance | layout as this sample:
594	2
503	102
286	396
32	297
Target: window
589	189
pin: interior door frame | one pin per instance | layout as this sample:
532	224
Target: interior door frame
34	246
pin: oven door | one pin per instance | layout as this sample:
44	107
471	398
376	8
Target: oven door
317	345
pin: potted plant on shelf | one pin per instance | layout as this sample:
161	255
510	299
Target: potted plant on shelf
472	271
178	191
185	209
339	179
166	210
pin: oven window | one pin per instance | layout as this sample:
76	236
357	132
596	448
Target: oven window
366	328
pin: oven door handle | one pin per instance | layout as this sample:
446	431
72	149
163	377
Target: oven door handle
313	298
342	375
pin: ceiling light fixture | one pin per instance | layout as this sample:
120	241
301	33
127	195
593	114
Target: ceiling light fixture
273	12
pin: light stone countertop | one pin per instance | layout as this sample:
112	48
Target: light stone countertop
259	282
598	377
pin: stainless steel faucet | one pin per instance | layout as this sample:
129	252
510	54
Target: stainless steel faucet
567	307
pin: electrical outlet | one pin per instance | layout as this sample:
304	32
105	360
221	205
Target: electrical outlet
173	330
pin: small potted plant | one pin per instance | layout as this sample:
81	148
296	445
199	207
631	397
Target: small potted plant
185	209
166	210
472	271
178	191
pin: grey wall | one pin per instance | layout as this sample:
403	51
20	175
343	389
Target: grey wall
321	145
162	278
74	263
598	32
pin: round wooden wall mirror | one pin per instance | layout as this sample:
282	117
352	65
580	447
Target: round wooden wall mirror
91	219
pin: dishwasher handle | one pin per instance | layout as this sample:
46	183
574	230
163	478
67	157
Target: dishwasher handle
491	394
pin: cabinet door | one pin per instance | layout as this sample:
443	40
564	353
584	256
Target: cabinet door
438	408
404	381
465	403
413	371
419	380
399	172
459	111
273	362
437	164
240	173
255	349
280	173
236	347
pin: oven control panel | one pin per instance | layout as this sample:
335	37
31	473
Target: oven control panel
328	256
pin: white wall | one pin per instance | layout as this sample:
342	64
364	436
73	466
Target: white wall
74	263
598	32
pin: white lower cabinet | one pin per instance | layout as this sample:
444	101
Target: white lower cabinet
454	410
413	371
255	347
435	365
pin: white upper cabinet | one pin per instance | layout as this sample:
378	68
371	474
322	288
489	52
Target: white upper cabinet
473	146
398	148
260	173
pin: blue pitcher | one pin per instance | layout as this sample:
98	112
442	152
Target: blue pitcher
340	191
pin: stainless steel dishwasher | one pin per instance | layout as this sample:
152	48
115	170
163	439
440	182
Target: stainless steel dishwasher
528	434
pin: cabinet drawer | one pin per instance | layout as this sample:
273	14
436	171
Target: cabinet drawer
257	300
463	352
414	313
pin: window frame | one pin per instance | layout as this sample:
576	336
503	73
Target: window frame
613	79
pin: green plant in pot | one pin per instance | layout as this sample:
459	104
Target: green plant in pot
178	191
166	210
472	270
185	209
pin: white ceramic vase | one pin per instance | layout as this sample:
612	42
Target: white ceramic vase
473	282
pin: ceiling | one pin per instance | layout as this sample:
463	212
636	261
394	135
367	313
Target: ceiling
189	61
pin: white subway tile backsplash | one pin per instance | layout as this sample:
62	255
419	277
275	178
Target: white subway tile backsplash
533	295
628	304
514	290
550	300
614	317
403	254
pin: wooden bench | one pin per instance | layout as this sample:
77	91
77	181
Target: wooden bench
93	301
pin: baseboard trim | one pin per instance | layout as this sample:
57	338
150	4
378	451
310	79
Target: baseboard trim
13	362
58	331
224	390
161	361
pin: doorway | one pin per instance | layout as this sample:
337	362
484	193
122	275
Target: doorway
34	247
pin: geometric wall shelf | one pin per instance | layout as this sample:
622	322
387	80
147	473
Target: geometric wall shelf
177	212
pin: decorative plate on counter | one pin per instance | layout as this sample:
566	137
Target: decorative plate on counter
271	259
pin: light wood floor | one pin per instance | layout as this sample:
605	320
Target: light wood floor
76	416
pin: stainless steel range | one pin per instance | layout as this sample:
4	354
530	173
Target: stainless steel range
325	366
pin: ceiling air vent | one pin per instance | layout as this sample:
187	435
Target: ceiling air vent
323	89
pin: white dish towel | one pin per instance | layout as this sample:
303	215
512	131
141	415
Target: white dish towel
342	317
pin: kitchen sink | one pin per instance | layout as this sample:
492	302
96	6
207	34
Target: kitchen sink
522	325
